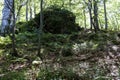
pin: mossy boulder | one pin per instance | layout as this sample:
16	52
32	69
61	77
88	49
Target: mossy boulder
56	20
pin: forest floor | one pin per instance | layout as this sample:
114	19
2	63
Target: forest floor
78	56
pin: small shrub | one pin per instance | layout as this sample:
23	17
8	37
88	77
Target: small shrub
67	51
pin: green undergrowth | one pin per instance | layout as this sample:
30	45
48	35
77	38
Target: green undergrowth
61	43
18	75
62	74
57	45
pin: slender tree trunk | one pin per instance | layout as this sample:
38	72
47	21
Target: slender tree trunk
14	53
100	24
95	17
21	4
90	12
18	13
105	14
18	10
34	8
116	23
27	11
70	4
30	5
40	28
63	3
84	18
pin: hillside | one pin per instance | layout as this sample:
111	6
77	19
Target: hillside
78	56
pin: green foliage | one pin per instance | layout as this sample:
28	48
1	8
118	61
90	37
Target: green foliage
48	37
57	43
67	51
26	36
13	76
26	26
87	44
58	74
98	36
4	41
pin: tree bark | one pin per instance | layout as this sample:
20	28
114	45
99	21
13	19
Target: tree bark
105	14
95	17
27	11
40	28
7	16
84	18
30	6
90	12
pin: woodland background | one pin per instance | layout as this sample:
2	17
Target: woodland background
62	40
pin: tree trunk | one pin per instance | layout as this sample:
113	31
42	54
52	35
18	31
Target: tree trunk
70	4
7	16
84	18
27	11
95	17
14	52
105	14
34	8
40	29
30	5
90	12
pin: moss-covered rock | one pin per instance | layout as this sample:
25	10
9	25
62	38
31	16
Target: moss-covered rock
56	20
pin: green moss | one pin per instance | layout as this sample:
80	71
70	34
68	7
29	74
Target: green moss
56	20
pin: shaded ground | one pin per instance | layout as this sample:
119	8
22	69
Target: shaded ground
77	56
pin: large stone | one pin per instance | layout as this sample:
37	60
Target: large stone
55	19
